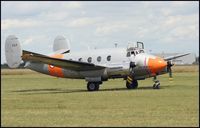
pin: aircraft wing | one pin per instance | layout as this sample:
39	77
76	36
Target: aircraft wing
176	56
63	63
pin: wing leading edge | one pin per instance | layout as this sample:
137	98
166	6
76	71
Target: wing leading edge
176	56
63	63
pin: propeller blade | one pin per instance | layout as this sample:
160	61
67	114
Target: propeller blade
169	65
170	72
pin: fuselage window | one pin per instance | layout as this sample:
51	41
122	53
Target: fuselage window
133	53
108	58
128	54
89	59
98	58
80	59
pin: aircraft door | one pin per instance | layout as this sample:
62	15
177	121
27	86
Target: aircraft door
130	58
131	55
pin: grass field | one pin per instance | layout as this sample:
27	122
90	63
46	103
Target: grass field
32	99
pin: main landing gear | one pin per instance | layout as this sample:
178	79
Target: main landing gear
156	85
93	86
131	83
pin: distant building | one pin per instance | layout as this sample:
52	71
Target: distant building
189	59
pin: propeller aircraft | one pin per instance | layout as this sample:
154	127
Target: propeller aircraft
95	66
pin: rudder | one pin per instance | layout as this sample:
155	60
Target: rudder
13	51
61	45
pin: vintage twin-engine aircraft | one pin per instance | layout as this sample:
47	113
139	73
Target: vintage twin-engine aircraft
95	66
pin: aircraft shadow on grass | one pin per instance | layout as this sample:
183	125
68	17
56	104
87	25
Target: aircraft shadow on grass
61	90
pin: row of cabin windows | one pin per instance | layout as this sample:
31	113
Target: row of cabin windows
98	59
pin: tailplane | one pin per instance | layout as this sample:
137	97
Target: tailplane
13	51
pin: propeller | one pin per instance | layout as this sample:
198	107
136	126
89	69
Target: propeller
169	65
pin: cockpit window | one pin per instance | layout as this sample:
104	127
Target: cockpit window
141	51
133	53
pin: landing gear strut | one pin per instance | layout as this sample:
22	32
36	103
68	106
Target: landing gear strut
131	83
156	85
93	86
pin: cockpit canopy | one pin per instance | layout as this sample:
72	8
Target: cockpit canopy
134	50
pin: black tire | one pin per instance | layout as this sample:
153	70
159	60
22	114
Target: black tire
92	86
96	86
156	86
132	85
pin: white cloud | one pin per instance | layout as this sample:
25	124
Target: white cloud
180	3
180	21
17	23
187	32
24	8
157	24
33	40
53	15
72	5
166	11
110	28
28	41
82	22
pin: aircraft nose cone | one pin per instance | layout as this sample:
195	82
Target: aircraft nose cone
157	64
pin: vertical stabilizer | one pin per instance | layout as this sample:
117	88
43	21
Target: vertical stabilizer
13	51
61	45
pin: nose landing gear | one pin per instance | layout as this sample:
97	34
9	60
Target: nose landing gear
156	85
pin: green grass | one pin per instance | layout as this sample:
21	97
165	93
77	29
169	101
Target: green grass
41	100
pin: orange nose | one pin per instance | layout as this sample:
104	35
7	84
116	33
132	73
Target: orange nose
156	65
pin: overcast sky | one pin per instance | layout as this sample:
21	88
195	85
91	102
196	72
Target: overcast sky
162	26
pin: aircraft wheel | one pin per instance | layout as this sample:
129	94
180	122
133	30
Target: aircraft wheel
132	85
92	86
156	85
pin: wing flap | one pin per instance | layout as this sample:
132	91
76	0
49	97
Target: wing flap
63	63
